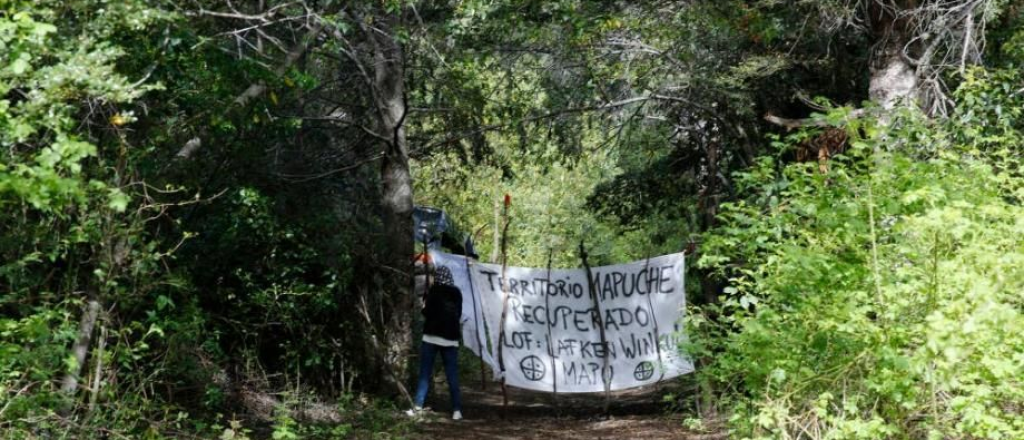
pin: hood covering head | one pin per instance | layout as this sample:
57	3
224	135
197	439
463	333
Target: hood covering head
443	276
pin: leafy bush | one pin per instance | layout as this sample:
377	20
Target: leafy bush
68	235
881	300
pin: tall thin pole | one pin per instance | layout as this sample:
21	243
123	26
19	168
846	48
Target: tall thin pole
479	325
605	371
483	326
654	319
504	307
551	340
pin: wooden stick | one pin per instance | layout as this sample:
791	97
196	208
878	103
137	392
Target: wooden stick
484	327
551	347
256	89
605	370
791	124
654	319
504	308
479	325
98	378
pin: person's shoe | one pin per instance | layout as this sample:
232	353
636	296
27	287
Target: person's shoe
416	411
457	415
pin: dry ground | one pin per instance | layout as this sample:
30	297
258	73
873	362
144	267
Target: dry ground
633	414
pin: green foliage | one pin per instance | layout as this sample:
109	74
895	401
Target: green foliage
64	198
31	348
880	300
235	431
275	281
557	168
284	428
43	83
989	119
548	205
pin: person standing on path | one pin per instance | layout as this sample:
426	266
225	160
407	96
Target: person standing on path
441	331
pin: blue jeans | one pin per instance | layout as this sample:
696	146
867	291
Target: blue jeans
450	356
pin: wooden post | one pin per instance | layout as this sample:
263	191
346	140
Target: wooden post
479	325
504	307
551	341
654	320
605	376
483	316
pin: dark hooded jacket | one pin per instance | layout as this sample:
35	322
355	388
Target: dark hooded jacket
443	310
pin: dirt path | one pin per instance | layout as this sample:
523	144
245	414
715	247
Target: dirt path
634	414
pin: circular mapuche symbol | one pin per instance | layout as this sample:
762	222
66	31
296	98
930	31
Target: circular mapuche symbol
533	368
643	371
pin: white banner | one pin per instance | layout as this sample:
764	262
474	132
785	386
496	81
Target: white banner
552	339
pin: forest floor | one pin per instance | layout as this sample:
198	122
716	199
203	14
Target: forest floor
633	414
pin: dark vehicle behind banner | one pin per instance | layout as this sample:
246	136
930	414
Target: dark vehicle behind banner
435	229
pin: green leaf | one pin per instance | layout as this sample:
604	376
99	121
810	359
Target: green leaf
117	200
21	64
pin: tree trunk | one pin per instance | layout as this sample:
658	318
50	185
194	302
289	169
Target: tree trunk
69	385
708	206
389	84
894	80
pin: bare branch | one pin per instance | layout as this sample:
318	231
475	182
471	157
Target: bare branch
792	124
258	88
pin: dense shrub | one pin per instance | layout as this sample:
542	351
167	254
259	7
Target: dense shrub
879	300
